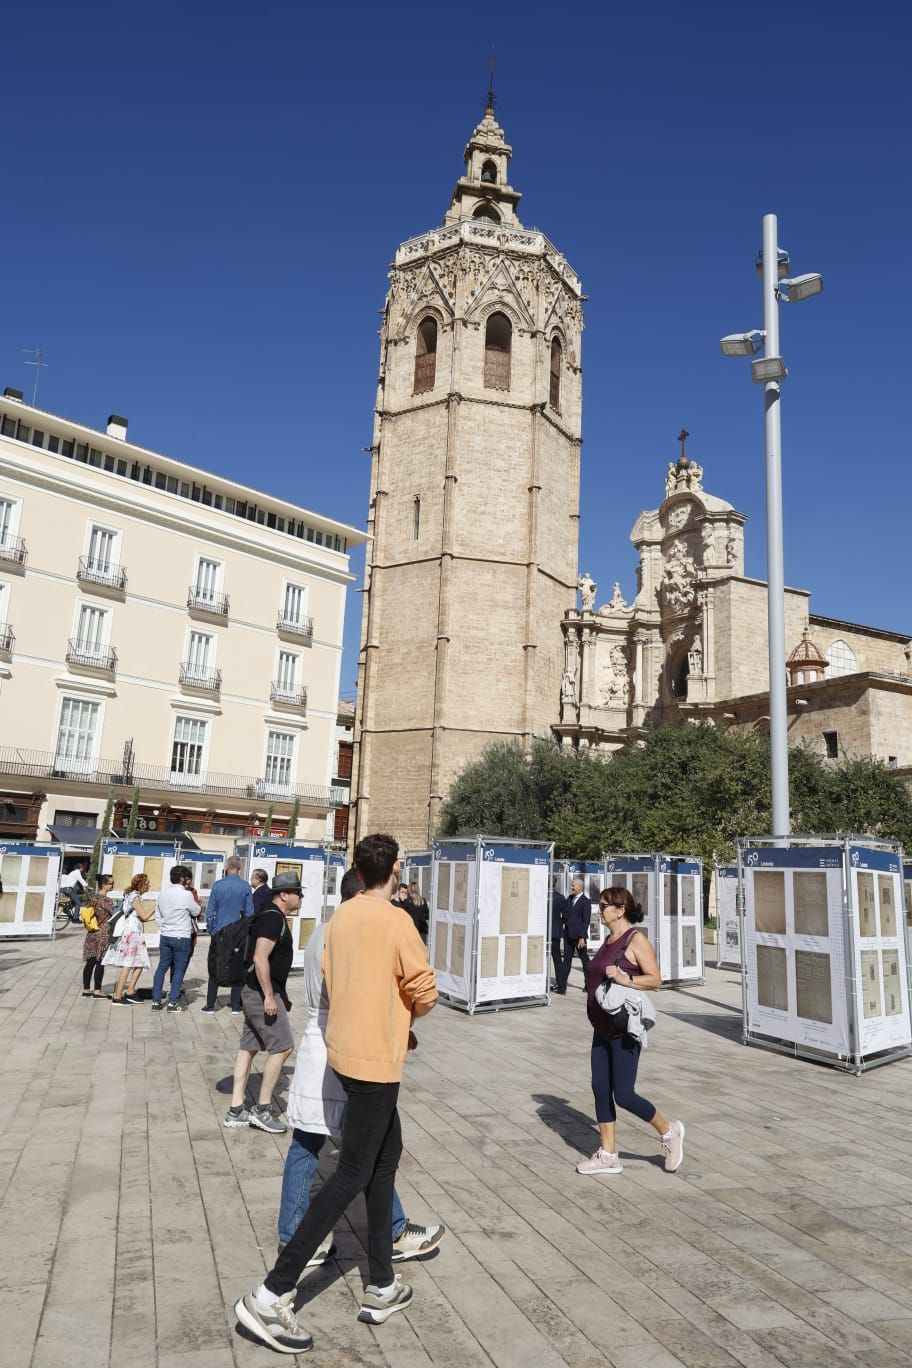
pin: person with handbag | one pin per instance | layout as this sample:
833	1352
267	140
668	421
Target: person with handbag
96	919
627	958
128	953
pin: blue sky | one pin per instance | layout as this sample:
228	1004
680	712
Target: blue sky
202	199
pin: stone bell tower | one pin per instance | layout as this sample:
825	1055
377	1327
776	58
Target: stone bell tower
474	499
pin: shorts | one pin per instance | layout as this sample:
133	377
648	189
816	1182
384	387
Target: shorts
258	1034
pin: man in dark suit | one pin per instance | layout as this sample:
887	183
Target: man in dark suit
576	926
558	905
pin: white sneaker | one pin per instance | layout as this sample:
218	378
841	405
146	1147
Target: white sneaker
377	1307
673	1146
601	1162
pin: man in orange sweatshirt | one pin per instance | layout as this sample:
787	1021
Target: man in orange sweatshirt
378	980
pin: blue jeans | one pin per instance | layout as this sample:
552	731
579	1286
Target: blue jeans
300	1166
172	951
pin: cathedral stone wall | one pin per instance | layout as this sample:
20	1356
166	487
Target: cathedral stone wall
872	650
742	659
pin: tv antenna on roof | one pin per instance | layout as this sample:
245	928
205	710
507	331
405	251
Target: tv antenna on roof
39	363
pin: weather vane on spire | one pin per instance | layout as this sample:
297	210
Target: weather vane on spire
489	98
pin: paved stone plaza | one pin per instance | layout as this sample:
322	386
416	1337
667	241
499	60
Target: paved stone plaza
131	1219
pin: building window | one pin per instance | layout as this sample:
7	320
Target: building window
416	518
76	733
279	760
831	741
198	649
425	355
8	511
485	211
91	630
841	660
295	606
555	378
489	173
207	580
188	746
498	341
287	674
102	550
344	761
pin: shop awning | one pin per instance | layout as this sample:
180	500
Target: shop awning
74	837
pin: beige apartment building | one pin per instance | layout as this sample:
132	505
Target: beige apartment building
161	629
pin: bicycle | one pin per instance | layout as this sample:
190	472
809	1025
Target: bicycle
63	916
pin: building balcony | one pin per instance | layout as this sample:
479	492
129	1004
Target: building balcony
7	639
13	553
196	677
88	655
45	765
299	628
288	698
101	574
208	605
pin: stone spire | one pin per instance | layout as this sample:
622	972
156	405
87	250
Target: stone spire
484	192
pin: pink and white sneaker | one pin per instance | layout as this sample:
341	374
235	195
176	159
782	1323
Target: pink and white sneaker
601	1162
673	1146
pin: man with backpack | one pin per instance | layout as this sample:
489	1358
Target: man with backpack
270	950
231	899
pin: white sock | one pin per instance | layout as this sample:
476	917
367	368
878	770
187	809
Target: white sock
387	1291
265	1297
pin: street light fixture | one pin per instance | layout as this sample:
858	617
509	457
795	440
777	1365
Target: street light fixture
773	264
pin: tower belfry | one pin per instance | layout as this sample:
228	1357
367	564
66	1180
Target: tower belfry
474	504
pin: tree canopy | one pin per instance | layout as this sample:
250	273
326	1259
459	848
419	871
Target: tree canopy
685	790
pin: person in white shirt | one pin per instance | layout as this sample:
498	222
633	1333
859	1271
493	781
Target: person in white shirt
176	911
74	885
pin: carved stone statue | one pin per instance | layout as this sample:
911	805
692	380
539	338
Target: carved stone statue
694	477
676	592
587	588
615	690
670	480
709	550
617	598
695	656
731	550
568	689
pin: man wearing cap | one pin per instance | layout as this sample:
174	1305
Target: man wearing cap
265	1004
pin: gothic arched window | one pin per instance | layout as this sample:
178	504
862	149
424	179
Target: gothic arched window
425	355
841	659
485	211
498	341
489	172
554	390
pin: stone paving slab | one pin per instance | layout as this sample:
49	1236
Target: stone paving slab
130	1220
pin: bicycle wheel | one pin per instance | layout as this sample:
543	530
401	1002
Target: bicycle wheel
62	918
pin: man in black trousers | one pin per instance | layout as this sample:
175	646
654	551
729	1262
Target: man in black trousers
558	907
576	926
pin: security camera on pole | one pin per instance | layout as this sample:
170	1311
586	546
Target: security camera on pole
769	371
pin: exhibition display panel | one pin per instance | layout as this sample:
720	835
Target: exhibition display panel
825	968
669	889
490	906
728	922
907	903
123	860
592	872
320	872
416	868
29	875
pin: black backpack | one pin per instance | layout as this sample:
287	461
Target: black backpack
232	960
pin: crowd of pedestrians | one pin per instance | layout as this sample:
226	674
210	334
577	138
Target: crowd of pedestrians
366	980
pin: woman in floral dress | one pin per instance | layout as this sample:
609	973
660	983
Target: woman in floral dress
96	942
129	952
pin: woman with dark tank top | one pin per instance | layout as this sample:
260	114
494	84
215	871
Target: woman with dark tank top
625	957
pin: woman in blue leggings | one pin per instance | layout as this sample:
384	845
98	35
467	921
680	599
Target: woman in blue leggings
625	957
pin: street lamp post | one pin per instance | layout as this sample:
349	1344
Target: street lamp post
769	370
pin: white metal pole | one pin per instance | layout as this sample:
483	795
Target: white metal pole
774	553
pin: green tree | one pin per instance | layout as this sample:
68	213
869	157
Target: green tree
293	820
133	818
95	861
504	794
267	825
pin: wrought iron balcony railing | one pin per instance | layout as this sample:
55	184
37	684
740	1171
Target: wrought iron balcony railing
33	764
91	656
105	573
13	551
199	601
7	638
302	627
195	677
289	698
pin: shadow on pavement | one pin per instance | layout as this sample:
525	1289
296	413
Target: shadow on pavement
575	1128
728	1026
